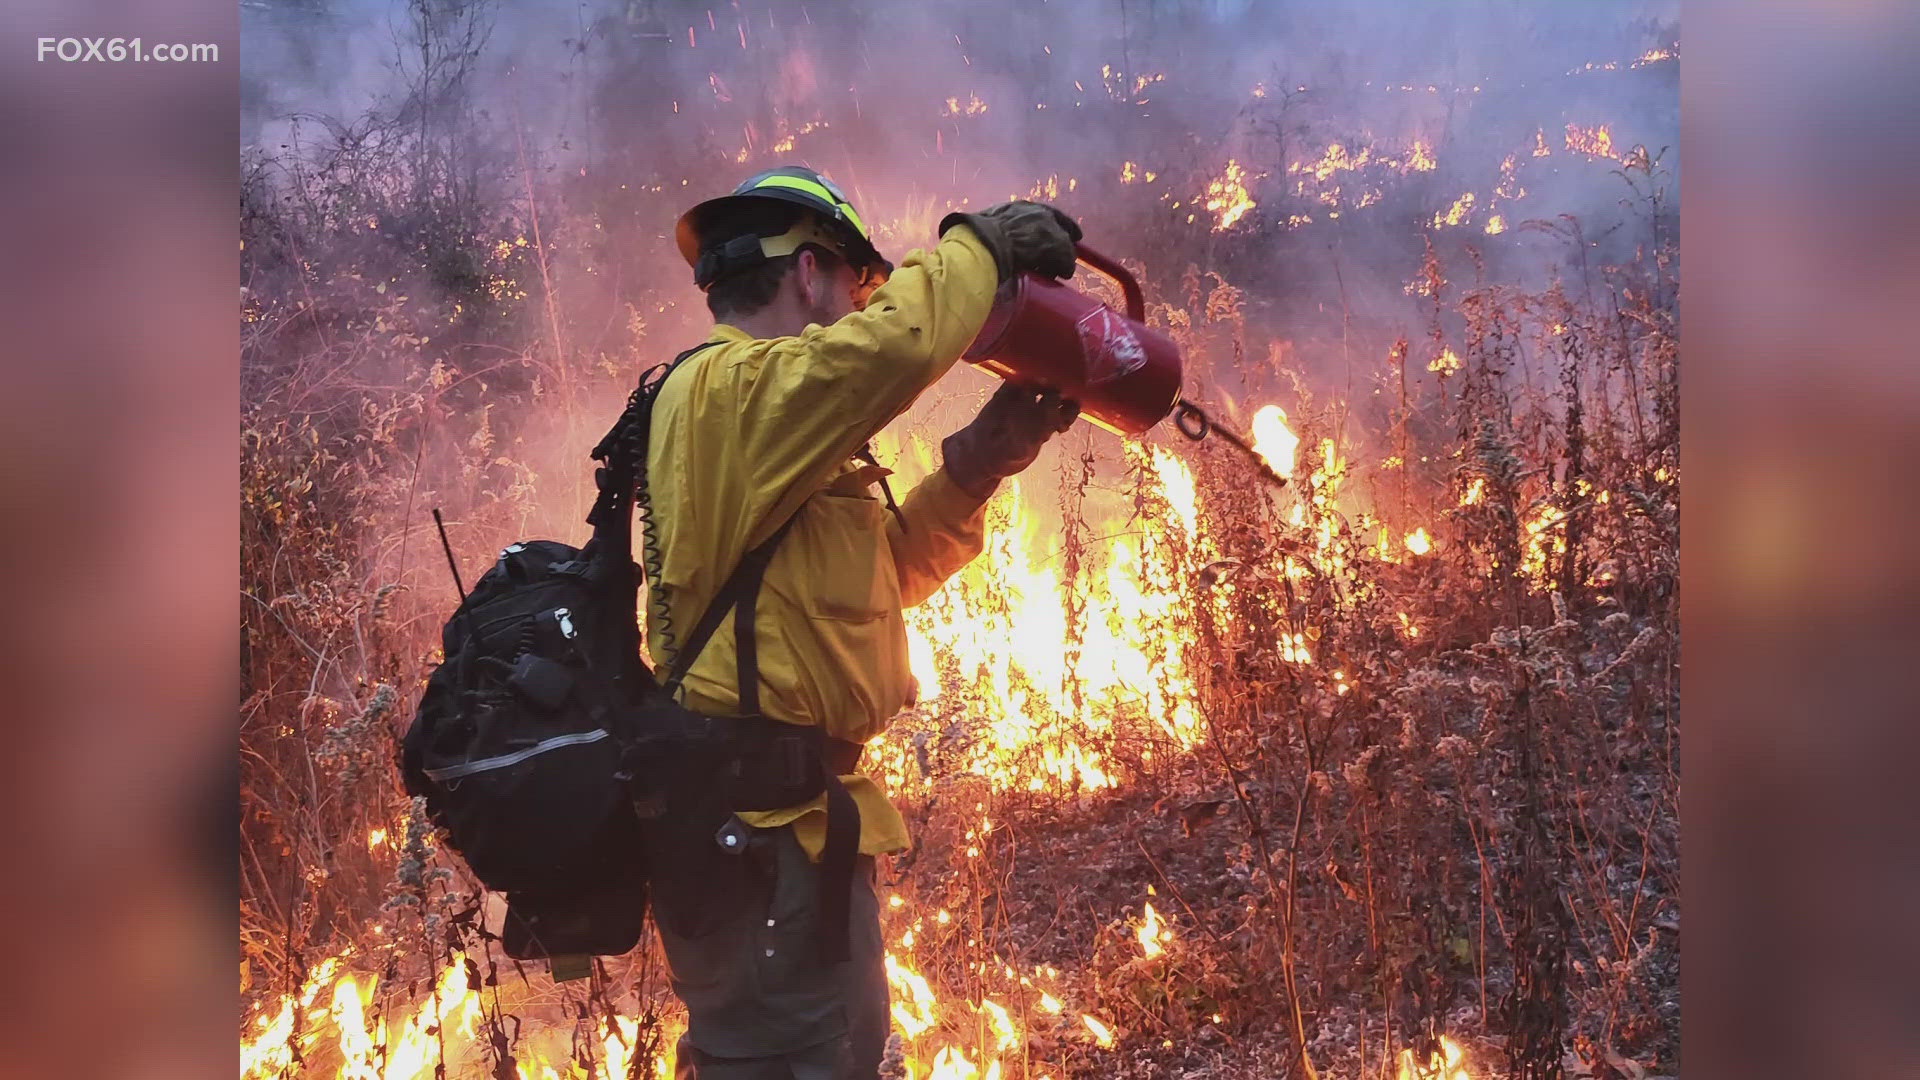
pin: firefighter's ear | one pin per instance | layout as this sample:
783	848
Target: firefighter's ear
810	276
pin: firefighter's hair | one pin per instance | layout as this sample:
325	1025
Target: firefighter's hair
751	288
747	291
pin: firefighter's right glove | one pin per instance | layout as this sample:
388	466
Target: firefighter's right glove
1005	438
1023	236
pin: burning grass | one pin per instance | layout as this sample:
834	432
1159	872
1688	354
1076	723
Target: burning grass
1373	775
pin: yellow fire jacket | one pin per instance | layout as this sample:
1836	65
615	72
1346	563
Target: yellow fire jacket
748	432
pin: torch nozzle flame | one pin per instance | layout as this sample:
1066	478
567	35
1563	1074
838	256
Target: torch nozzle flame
1195	424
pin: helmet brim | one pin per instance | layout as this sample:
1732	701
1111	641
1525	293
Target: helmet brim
698	222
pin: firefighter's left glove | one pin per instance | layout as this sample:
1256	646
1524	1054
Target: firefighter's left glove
1023	236
1006	437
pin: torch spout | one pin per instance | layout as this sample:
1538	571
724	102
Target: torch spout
1196	425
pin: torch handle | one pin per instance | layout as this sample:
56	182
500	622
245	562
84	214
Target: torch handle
1136	300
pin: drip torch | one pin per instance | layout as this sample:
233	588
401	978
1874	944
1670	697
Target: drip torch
1125	374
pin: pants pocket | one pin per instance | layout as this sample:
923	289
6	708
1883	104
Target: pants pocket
788	953
700	886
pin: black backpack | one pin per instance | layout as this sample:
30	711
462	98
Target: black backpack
550	756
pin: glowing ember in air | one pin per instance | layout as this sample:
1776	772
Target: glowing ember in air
1227	197
1274	440
1419	542
1447	1064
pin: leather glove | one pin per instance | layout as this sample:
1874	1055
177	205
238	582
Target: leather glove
1023	236
1005	437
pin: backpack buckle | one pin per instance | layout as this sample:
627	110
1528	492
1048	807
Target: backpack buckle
793	752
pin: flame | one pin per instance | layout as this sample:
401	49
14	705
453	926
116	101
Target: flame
973	106
932	1029
1227	197
1048	190
1102	1034
1593	142
1509	186
1496	225
1446	363
785	143
1273	440
1045	717
1419	542
1447	1064
443	1029
1006	640
1544	541
1151	935
914	1004
1456	214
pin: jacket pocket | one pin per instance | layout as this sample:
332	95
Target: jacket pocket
842	568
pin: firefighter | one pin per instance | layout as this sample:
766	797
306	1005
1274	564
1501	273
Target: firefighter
818	344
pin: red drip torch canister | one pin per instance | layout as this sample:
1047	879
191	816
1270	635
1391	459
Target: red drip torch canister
1041	332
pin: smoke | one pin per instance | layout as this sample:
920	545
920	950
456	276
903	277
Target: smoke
642	108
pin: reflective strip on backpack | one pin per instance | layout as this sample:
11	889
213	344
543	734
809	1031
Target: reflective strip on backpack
468	768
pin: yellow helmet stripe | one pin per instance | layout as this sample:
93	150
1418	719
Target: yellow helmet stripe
853	218
800	183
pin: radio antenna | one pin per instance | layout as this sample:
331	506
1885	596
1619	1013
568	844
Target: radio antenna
448	548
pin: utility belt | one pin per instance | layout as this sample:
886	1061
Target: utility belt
770	764
734	764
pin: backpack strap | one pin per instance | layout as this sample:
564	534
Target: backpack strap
739	595
624	450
